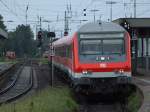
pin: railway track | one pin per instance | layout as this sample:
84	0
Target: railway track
19	85
11	82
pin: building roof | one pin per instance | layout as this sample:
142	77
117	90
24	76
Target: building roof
3	34
135	22
100	27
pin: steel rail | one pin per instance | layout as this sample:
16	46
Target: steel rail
17	96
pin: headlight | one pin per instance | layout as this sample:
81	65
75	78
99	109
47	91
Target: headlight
121	71
84	72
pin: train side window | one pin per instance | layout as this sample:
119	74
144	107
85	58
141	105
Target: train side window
69	51
64	51
70	54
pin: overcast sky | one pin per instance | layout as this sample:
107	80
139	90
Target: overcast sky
53	10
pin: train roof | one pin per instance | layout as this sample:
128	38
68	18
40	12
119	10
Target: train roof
94	27
101	27
67	40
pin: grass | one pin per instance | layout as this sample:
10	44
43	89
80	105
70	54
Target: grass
50	100
43	60
3	60
134	102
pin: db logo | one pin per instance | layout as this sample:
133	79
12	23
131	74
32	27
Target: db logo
103	65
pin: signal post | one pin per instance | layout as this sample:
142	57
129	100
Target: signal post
51	35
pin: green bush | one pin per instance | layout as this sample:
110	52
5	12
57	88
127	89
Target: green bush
50	100
134	102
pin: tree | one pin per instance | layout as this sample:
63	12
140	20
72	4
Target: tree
2	26
2	43
46	41
21	41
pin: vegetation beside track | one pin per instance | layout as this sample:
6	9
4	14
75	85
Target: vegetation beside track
134	103
4	61
49	100
43	61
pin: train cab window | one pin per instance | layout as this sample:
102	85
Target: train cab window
90	47
113	46
93	46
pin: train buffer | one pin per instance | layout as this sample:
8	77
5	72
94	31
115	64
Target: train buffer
143	82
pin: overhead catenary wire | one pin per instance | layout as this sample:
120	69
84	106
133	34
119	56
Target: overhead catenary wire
18	6
77	9
11	11
131	6
8	8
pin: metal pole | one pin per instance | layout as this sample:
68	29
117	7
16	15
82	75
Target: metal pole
27	14
52	72
48	27
147	57
147	47
66	29
111	11
65	22
52	68
26	18
94	12
94	16
134	8
40	23
111	3
41	40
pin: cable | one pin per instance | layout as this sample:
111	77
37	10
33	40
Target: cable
21	9
9	9
142	13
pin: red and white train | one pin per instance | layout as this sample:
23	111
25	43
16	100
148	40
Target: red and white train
11	55
96	58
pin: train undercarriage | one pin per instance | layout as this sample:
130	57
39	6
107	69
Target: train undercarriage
103	86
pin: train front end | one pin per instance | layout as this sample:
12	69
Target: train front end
102	58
